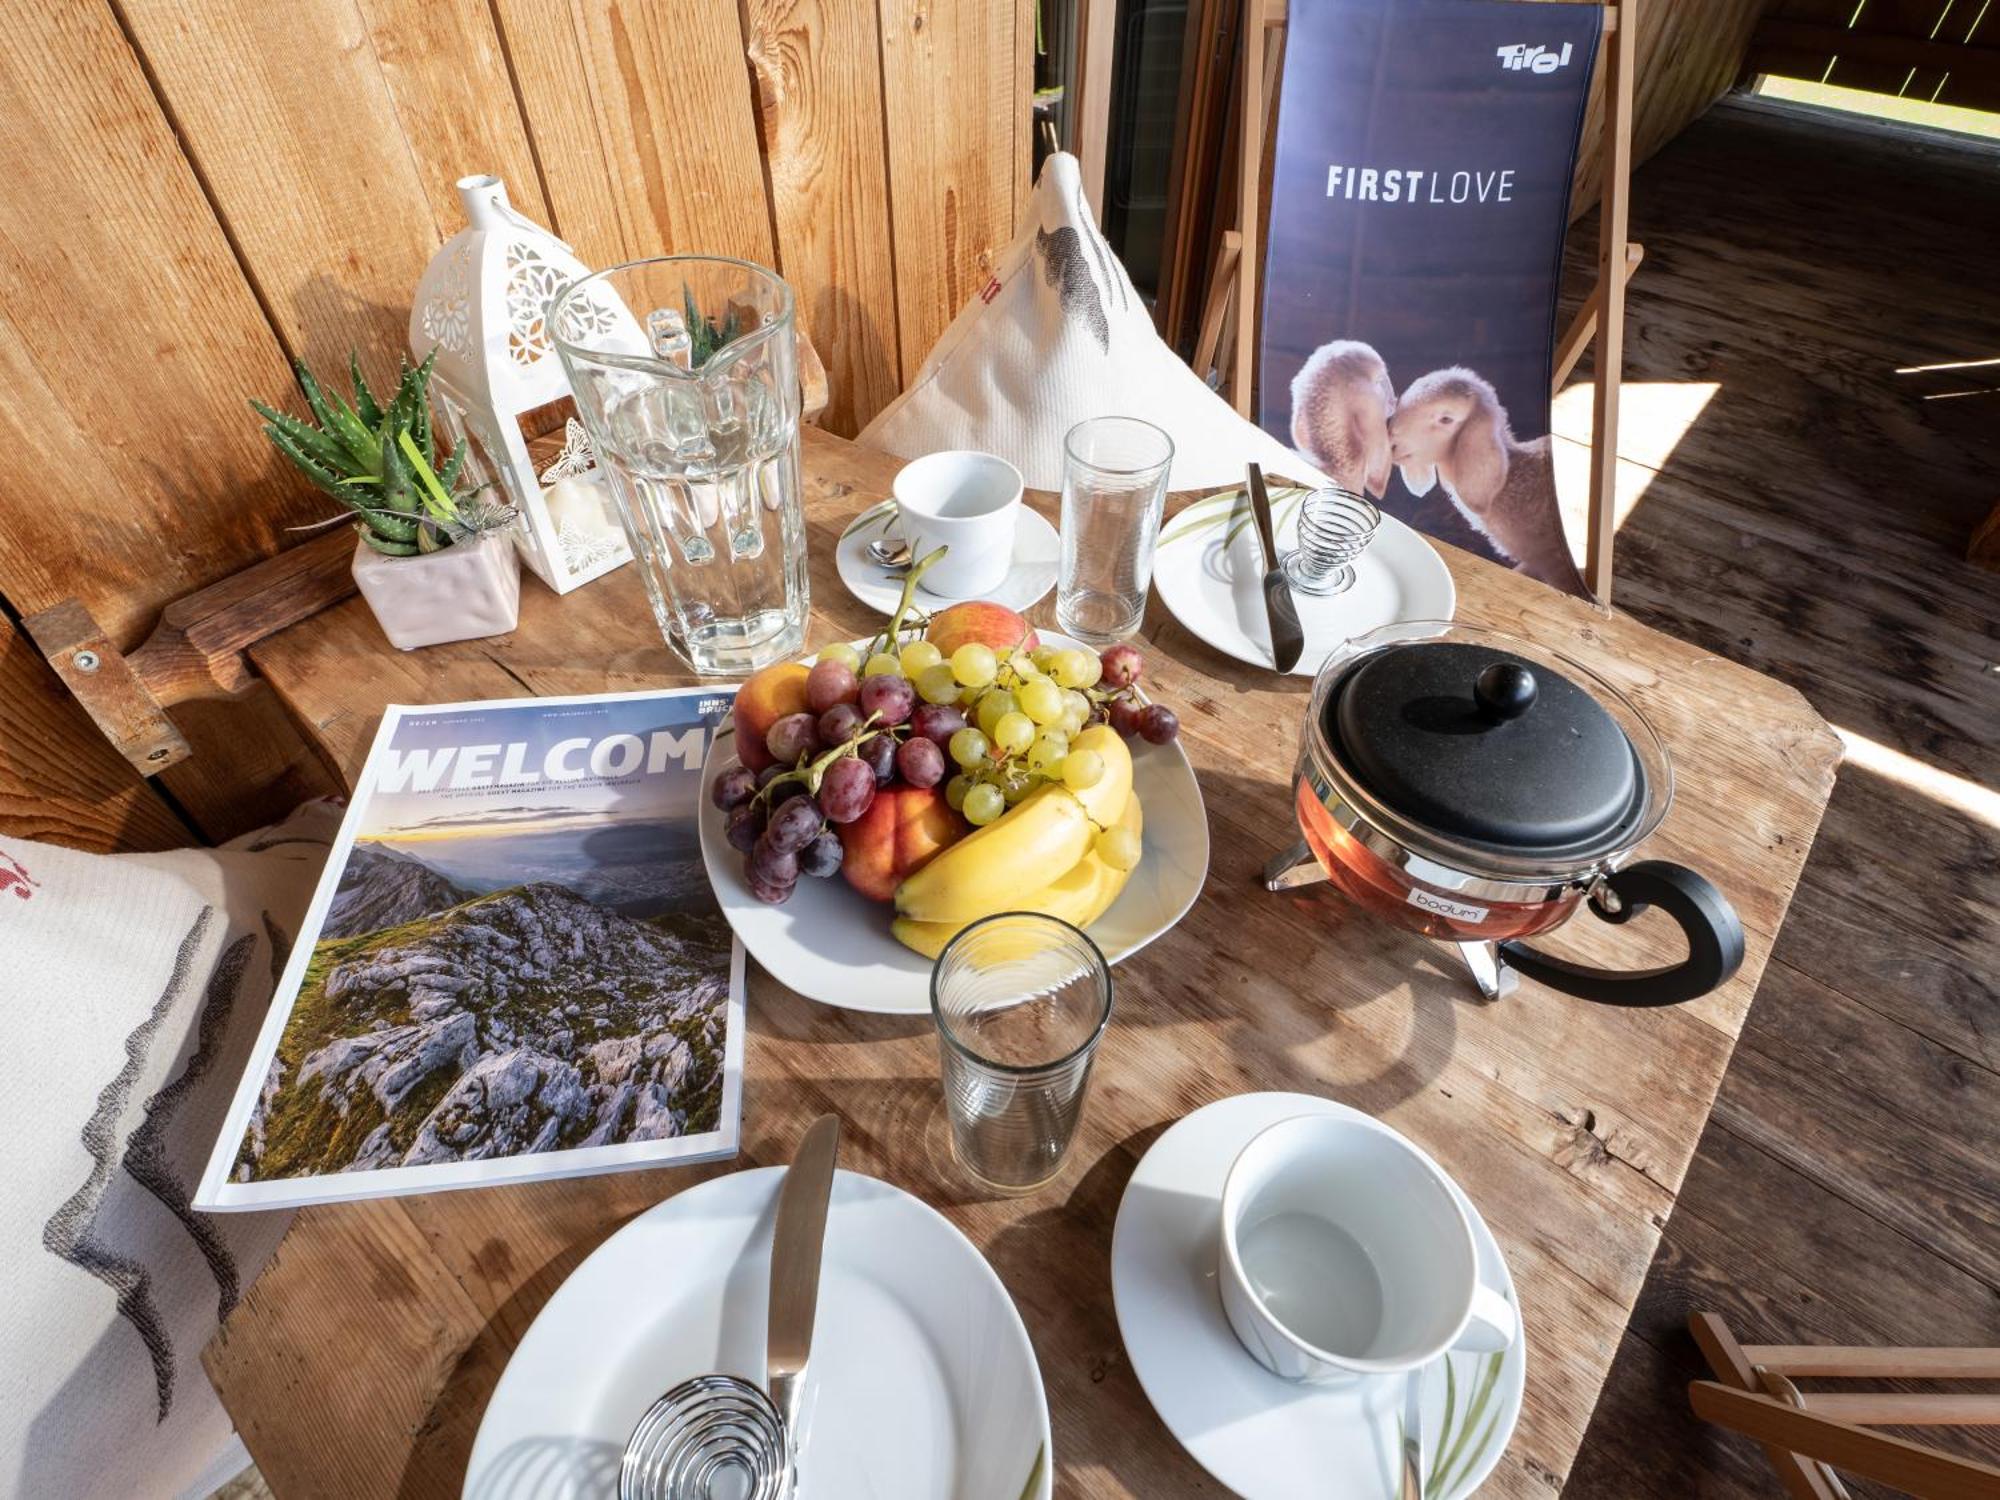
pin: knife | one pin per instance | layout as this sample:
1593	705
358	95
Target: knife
1288	642
795	1257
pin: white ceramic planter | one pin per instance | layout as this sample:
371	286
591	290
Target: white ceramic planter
458	594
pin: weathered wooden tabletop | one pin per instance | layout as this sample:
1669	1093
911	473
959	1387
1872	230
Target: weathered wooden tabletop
360	1362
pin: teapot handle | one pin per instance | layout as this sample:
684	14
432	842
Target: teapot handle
1714	936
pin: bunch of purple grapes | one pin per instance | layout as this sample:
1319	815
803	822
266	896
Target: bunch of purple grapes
1121	704
861	734
779	827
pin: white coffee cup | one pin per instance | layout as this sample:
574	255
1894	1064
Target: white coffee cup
966	501
1345	1254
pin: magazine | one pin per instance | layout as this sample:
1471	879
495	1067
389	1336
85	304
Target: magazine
513	968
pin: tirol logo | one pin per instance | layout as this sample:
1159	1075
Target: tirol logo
1519	57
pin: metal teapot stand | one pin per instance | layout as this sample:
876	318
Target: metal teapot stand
1298	866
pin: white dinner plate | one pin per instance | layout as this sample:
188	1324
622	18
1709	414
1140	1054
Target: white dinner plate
921	1385
1266	1438
1209	569
1037	559
833	945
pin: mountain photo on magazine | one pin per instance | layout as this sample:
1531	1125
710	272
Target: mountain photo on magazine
521	956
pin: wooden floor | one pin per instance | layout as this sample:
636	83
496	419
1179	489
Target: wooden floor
1811	522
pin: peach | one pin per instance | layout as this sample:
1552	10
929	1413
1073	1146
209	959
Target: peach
981	620
766	698
903	829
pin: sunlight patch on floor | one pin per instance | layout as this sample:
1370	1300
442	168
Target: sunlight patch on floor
1982	804
1882	106
1653	417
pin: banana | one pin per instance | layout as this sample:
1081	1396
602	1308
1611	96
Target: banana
1079	897
986	870
1104	803
1050	829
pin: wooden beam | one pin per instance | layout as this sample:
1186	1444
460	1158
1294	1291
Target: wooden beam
1907	1408
1583	327
1802	1477
1215	307
197	649
1249	176
1097	33
1200	144
1962	60
1870	1362
1619	69
196	652
101	679
60	783
1887	1460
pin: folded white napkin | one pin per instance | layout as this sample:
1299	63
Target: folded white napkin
132	991
1059	335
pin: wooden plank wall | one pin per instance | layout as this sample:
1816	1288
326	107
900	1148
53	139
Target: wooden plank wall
203	189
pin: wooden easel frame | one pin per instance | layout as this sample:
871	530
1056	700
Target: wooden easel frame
1229	314
1807	1435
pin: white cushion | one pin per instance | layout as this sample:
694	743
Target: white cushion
1059	334
131	990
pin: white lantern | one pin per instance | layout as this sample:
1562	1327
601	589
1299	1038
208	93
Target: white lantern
498	385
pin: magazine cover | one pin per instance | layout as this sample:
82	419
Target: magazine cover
514	967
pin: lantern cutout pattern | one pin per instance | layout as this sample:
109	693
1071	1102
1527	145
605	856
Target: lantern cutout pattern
499	387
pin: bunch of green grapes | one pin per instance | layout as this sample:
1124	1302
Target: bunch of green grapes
1022	709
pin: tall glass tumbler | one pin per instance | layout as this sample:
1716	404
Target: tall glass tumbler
685	371
1020	1001
1114	488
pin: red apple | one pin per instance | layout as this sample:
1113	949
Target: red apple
762	701
983	621
904	827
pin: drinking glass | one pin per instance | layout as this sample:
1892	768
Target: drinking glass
685	371
1020	1001
1114	488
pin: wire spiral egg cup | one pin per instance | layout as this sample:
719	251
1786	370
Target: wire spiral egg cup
714	1437
1335	527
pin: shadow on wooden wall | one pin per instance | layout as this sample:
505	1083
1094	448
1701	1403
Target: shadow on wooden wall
205	189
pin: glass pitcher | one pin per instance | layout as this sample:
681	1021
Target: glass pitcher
685	370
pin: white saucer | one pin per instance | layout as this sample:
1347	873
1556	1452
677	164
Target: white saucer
1209	569
922	1381
1266	1438
1037	560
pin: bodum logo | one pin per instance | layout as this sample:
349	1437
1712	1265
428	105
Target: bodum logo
1521	57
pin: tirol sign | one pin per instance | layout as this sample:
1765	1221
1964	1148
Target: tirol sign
1418	202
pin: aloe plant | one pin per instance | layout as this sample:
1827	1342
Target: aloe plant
381	462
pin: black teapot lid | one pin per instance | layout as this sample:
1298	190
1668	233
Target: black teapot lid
1486	747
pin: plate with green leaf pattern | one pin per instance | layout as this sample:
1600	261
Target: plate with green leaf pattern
1209	569
1267	1438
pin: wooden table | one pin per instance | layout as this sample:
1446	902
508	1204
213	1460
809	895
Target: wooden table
360	1363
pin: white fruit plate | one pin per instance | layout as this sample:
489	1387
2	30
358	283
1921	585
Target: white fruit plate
833	945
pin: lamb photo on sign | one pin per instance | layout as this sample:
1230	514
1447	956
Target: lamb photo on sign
1446	431
1419	197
